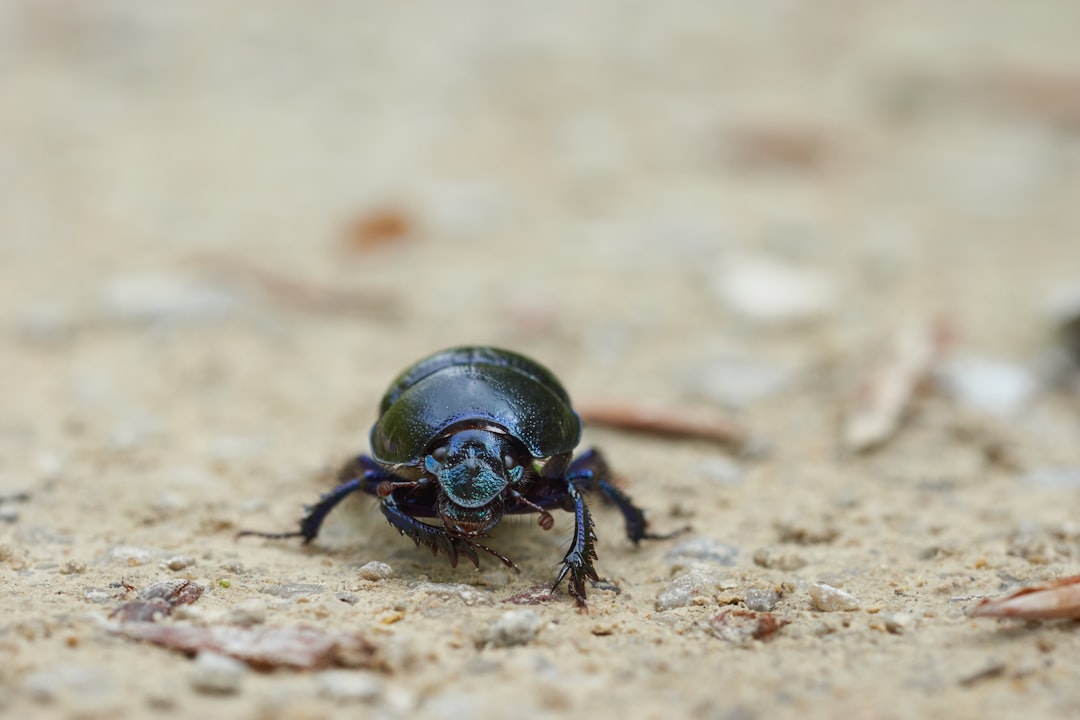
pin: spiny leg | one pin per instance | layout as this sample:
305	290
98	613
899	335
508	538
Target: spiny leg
437	538
359	474
589	471
578	562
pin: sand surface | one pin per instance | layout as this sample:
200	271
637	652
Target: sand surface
225	227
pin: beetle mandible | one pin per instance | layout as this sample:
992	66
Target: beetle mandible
468	435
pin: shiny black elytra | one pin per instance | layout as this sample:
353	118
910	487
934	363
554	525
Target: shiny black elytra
468	435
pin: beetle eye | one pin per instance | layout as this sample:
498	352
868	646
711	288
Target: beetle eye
508	461
439	453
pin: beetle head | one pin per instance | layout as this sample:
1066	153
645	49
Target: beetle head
473	469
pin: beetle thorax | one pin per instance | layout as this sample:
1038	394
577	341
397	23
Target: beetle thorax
474	468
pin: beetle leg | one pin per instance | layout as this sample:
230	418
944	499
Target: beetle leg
437	538
359	474
578	562
589	471
545	521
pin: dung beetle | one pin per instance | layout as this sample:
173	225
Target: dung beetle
471	434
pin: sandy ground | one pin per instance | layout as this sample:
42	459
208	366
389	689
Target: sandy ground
198	322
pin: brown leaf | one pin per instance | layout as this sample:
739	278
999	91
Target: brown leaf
382	227
1059	599
263	648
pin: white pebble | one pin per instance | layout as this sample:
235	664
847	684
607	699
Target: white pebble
989	385
375	570
350	685
766	291
697	582
248	612
830	599
217	674
515	627
178	562
467	594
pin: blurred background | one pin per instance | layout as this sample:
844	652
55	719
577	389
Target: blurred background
669	202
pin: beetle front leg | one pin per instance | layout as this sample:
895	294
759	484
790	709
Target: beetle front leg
437	538
359	474
579	558
589	471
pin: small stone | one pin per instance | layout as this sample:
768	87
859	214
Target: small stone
248	612
761	600
515	627
350	685
375	571
988	385
739	382
898	623
216	674
453	591
695	583
777	559
97	595
830	599
178	562
57	681
698	550
8	512
766	291
131	555
292	590
156	298
72	568
722	470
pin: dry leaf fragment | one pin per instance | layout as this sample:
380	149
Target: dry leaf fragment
1059	599
885	393
263	648
666	423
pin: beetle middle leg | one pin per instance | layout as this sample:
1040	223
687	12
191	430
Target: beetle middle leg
359	474
589	471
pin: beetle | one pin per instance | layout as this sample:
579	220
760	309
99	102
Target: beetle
466	436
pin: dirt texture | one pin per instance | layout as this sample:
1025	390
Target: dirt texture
225	227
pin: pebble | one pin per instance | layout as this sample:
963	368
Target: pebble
217	674
97	595
452	591
722	470
350	685
770	292
988	385
830	599
8	512
292	590
682	591
163	298
700	549
1061	478
178	562
515	627
898	623
737	382
56	681
47	324
761	600
777	559
248	612
131	554
375	570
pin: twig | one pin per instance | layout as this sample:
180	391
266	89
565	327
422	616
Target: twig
666	423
